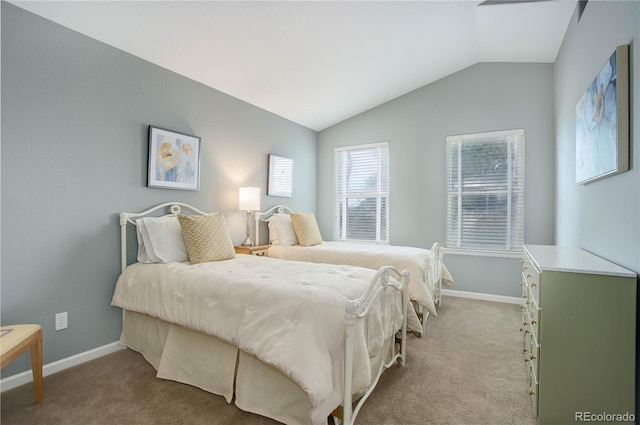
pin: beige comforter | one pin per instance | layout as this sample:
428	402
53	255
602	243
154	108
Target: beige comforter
289	314
371	256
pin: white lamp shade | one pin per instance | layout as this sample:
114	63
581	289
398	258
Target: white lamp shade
249	199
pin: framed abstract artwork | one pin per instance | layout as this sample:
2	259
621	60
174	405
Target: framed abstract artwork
174	160
280	176
602	121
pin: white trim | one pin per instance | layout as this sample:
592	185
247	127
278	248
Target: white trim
60	365
484	297
486	135
483	252
363	146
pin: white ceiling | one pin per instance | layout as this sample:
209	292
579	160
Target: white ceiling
318	62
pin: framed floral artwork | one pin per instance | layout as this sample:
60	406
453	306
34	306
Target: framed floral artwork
602	121
174	160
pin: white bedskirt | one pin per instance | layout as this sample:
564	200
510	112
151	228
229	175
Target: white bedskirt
204	361
192	358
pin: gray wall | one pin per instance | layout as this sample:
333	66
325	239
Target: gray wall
484	97
602	217
75	114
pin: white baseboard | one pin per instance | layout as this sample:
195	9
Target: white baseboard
480	296
25	377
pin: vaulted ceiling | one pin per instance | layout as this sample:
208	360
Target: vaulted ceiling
318	62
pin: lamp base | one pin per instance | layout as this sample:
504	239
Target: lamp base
247	242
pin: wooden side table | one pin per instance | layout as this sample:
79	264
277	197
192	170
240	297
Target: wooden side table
15	340
261	250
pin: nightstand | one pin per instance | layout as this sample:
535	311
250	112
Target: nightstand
261	250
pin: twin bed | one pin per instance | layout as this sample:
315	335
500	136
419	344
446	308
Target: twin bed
291	340
427	271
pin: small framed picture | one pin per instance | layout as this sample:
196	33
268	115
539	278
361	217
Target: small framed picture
174	160
280	176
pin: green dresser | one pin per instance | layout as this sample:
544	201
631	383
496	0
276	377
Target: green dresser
579	336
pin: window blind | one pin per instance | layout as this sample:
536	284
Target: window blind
485	191
362	192
280	176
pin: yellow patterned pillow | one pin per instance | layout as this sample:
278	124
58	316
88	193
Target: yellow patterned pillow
206	237
306	228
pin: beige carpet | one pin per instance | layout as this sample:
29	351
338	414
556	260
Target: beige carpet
468	369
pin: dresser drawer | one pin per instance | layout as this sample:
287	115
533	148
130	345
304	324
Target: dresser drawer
530	310
533	314
531	276
533	353
533	388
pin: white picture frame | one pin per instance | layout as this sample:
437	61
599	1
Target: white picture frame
280	182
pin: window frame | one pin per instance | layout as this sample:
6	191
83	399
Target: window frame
515	222
340	233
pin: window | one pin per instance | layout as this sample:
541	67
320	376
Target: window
485	191
362	192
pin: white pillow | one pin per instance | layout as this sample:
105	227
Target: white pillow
142	252
163	240
274	238
280	226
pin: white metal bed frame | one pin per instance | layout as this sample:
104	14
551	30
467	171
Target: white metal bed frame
434	274
386	278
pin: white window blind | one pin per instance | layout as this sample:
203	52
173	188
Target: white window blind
485	191
280	176
362	192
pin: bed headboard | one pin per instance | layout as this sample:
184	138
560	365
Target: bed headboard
173	208
265	215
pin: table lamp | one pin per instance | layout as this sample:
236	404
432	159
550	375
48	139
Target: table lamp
249	200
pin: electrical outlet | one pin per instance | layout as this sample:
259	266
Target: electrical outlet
61	321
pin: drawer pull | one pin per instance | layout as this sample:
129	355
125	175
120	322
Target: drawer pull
531	392
533	357
533	321
528	274
533	284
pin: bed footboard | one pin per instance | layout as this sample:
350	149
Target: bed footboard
387	279
434	280
435	272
